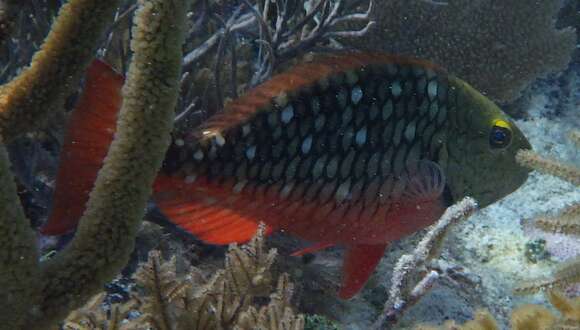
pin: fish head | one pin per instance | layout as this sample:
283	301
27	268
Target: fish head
481	148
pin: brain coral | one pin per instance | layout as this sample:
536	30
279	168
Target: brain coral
499	46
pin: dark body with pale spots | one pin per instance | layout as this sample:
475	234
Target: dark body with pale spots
341	136
356	150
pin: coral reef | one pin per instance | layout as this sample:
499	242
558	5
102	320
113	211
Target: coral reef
319	322
404	290
242	46
230	299
567	222
526	317
487	43
103	241
39	91
7	8
231	46
18	256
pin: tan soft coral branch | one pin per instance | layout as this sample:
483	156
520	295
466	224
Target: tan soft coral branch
567	222
56	69
41	295
18	257
534	161
105	236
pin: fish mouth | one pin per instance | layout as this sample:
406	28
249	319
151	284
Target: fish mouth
522	142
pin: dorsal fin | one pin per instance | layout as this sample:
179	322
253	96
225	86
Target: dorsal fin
302	75
89	133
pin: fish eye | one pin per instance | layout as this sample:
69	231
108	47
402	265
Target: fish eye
501	135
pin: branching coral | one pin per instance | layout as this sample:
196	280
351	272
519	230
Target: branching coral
247	44
487	43
404	291
103	241
229	300
567	222
93	317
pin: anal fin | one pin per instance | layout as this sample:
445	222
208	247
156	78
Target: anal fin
209	212
313	248
359	263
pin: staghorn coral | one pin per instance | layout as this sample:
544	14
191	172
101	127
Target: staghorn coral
487	43
567	222
229	300
43	295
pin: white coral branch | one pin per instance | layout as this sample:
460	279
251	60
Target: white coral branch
400	296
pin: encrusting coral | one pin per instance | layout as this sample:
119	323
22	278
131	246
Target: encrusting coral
103	241
228	300
567	222
487	43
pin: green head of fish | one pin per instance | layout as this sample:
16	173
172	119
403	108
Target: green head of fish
481	148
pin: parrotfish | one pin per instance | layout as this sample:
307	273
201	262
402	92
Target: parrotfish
355	150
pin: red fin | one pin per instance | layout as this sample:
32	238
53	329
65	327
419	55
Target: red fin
312	249
211	213
426	182
89	133
359	263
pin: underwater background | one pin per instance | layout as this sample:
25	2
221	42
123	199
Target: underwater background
513	264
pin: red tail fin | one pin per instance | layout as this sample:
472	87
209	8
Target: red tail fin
89	133
359	263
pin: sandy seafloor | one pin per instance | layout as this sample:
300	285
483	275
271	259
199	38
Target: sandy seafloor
490	245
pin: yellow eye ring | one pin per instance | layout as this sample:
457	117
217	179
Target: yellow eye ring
502	123
500	135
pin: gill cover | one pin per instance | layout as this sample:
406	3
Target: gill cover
481	149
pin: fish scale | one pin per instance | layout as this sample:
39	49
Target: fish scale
356	149
288	123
